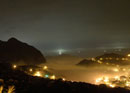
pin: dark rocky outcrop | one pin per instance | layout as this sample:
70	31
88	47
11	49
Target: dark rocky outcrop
110	55
105	59
15	51
112	58
85	62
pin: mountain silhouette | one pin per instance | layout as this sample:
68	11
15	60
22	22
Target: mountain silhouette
110	55
15	51
85	62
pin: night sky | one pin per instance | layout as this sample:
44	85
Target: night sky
72	25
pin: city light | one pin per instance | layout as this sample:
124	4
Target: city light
63	79
117	77
38	74
30	70
53	77
116	70
106	79
116	81
46	76
98	80
45	67
112	85
14	66
128	55
124	69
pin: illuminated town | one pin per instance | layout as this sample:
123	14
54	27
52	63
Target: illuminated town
64	46
121	79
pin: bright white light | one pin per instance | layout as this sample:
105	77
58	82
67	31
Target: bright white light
98	80
61	51
106	79
112	85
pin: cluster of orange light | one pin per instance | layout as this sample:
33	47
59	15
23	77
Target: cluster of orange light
39	74
117	81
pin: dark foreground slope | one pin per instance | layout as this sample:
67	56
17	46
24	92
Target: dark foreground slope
15	51
28	84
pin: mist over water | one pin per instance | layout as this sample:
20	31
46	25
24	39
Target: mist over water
66	67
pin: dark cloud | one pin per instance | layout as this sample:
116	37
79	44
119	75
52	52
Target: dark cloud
51	24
